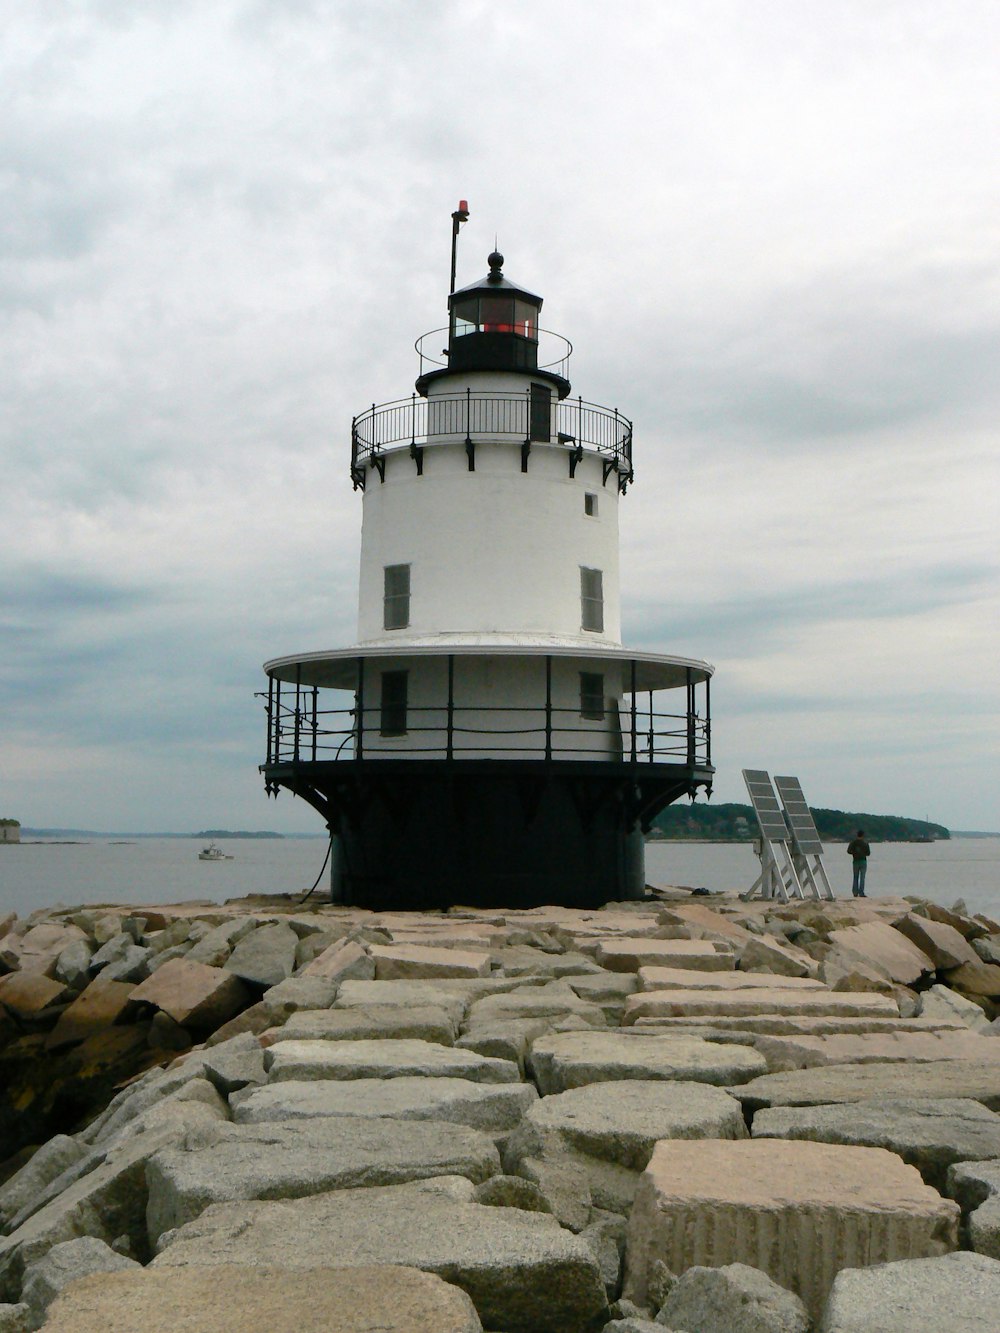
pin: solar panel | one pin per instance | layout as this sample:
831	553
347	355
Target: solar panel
765	804
799	816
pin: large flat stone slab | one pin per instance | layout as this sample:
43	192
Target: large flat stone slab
242	1300
799	1211
927	1133
493	1107
524	1273
628	954
779	1000
554	1000
572	1059
99	1005
193	994
806	1052
856	1083
585	1148
958	1292
397	962
302	1060
677	978
880	944
426	1022
287	1160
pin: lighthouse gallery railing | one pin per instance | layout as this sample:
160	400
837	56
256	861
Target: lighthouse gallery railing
470	417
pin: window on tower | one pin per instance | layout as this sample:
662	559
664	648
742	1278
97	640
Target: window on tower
393	718
590	504
592	696
592	599
396	599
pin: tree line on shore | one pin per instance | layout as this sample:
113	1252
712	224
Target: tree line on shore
732	822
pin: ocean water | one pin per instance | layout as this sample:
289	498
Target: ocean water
160	870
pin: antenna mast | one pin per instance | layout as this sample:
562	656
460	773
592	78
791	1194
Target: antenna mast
460	215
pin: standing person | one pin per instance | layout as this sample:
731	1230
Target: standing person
859	849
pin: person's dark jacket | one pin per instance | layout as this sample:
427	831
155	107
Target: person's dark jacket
859	849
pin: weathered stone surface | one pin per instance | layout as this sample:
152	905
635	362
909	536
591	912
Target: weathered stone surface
696	1003
16	1318
26	994
602	987
73	964
193	994
585	1148
942	944
394	962
40	946
290	1160
294	994
855	1083
927	1133
733	1299
217	944
943	1002
629	954
572	1059
675	978
958	1292
802	1211
108	1202
99	1005
886	947
493	1107
767	955
523	961
389	1058
502	1191
976	1186
875	1048
525	1274
421	1023
401	995
47	1276
555	1000
342	961
988	948
47	1164
344	1300
265	956
976	978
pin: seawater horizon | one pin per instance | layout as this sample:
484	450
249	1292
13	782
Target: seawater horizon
46	873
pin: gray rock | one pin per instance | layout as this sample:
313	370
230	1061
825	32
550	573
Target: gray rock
511	1192
493	1107
631	1324
117	947
297	993
15	1319
557	999
605	1234
264	957
73	964
240	1300
976	1186
170	937
957	1292
855	1083
131	965
572	1059
217	944
46	1277
425	1022
988	948
525	1274
233	1065
929	1134
48	1163
732	1299
288	1161
942	1002
520	960
403	995
389	1058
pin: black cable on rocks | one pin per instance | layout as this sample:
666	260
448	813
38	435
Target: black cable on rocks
309	894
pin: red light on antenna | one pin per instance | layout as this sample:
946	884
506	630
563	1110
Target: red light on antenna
463	205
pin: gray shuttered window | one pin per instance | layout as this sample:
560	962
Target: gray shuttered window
592	599
396	600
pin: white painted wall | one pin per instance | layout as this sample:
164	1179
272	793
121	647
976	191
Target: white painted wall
484	684
497	549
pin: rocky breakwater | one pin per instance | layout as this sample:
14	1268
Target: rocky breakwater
688	1114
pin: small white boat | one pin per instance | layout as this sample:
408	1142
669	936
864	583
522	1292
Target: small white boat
213	853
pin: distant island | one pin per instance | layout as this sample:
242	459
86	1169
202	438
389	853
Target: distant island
210	833
737	823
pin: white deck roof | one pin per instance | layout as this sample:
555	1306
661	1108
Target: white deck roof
337	668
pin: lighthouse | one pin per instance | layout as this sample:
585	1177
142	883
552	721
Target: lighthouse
488	739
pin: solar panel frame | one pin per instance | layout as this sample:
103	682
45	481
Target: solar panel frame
799	816
765	804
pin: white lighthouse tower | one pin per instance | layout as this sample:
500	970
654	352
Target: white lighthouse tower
488	739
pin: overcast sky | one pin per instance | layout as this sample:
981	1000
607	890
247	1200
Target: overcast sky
771	229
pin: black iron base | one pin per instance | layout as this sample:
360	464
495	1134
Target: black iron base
428	834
